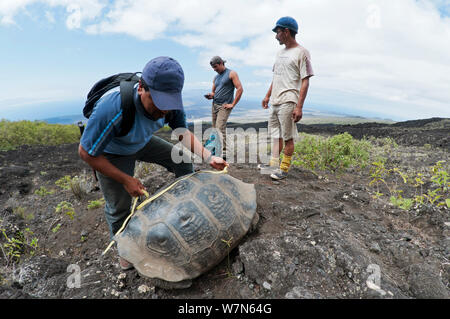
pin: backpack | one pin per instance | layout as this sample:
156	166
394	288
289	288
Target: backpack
126	81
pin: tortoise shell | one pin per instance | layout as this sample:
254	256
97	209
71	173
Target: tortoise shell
190	228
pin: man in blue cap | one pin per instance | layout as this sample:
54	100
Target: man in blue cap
287	93
157	99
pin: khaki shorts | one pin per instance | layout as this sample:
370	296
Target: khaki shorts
281	123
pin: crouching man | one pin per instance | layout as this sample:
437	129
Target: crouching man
157	100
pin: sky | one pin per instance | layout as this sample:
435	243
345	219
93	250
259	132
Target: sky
385	58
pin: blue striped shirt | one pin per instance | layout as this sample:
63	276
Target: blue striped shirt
104	124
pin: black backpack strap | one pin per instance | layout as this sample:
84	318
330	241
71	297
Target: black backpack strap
126	81
128	107
127	102
103	86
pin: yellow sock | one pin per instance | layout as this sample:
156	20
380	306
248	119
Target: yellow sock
274	161
286	163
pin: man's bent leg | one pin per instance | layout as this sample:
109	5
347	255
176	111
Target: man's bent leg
117	199
159	151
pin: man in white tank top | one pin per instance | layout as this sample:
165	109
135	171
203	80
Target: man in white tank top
287	93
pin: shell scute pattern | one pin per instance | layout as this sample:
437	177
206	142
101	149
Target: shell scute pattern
218	204
183	188
230	186
159	209
161	241
190	228
194	228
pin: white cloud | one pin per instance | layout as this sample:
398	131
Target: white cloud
393	51
9	8
50	17
74	19
77	10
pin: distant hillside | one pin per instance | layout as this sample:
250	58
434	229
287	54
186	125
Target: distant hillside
68	119
249	112
431	132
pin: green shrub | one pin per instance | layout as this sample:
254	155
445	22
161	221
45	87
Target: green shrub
64	182
438	178
15	246
334	153
93	204
65	208
14	134
42	191
79	185
399	201
56	228
22	213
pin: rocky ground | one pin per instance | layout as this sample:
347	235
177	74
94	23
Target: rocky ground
320	234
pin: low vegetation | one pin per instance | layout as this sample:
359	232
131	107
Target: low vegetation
66	208
342	151
437	193
42	191
14	134
20	243
94	204
64	182
333	153
79	185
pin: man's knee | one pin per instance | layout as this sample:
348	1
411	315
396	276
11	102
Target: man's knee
289	141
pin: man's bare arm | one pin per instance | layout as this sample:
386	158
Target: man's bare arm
297	114
239	89
210	96
265	101
101	164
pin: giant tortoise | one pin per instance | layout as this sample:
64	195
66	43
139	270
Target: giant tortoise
190	228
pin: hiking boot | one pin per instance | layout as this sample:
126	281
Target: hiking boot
125	264
279	174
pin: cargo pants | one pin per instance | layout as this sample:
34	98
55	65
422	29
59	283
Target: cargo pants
219	120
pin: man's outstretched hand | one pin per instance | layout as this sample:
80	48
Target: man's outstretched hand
218	163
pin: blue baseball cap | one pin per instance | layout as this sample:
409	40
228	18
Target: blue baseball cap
165	79
286	22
